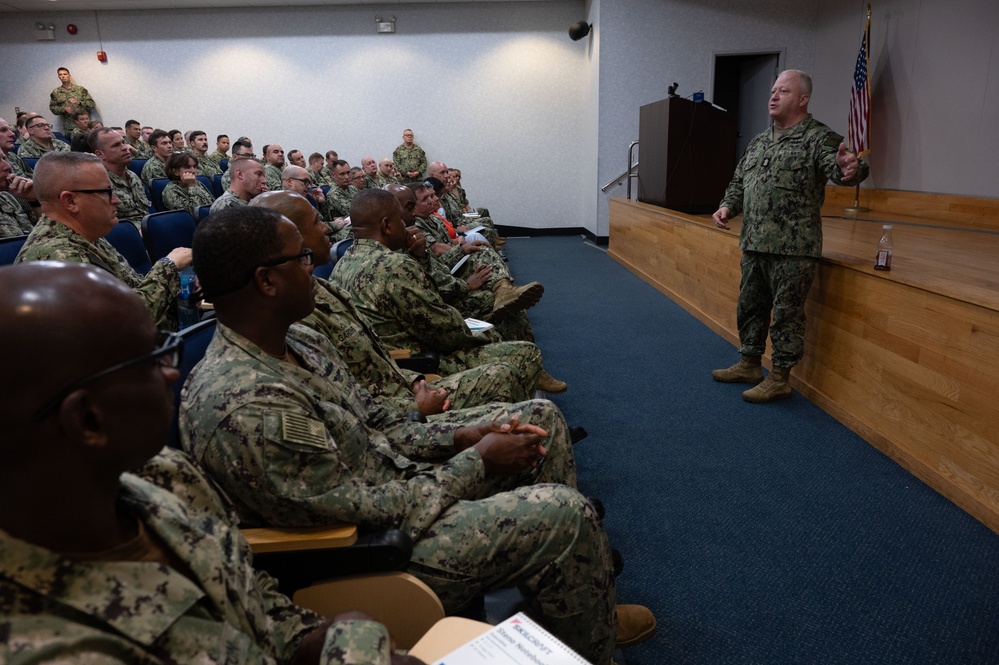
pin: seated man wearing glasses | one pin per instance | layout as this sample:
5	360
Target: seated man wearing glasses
110	552
78	210
40	139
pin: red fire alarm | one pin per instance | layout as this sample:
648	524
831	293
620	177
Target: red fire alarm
71	29
102	56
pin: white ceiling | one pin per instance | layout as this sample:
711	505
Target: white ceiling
104	5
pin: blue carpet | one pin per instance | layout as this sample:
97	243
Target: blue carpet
755	533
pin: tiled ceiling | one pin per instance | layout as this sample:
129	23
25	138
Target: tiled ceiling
34	6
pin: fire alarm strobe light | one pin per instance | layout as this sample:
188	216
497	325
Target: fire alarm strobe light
71	29
102	56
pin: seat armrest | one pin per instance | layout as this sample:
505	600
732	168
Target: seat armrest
264	541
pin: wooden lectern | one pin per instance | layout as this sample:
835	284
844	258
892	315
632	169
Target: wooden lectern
686	154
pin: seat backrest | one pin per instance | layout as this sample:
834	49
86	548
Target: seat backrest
325	188
208	184
125	237
135	166
224	165
196	341
9	247
340	248
324	271
163	232
203	211
30	162
60	136
217	188
156	187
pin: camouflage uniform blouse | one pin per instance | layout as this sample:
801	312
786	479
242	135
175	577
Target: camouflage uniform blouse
179	197
409	159
305	445
218	610
13	220
52	241
779	186
338	201
59	100
153	169
142	149
134	203
31	149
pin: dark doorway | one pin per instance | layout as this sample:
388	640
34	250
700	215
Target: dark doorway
742	84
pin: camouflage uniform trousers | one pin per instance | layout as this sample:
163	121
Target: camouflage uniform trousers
547	540
492	382
779	283
524	357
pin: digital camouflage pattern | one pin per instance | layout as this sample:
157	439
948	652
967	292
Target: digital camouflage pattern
31	149
338	201
396	297
371	365
153	169
381	180
13	220
779	187
410	159
207	166
134	203
52	241
179	197
141	148
217	156
59	100
322	177
18	166
218	610
300	445
273	175
228	199
435	231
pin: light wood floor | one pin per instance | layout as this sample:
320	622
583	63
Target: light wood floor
908	359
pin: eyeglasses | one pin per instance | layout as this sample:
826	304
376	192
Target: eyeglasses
304	181
304	259
43	125
168	353
109	191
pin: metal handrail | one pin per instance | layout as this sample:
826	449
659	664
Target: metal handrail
629	174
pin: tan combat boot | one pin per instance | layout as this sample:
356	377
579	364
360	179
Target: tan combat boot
747	370
549	384
635	624
776	386
510	299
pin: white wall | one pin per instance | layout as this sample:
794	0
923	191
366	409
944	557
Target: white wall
497	89
934	89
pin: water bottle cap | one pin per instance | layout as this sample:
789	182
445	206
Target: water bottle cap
887	227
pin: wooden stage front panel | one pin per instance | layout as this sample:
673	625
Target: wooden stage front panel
908	359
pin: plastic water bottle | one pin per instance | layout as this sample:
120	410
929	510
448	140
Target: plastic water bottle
885	246
187	310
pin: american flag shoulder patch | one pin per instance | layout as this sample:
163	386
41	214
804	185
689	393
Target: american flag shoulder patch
296	428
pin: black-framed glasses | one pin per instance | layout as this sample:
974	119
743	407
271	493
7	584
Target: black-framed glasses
304	259
168	352
108	191
43	125
304	181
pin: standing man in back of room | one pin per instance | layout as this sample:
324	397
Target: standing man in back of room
779	187
69	98
410	159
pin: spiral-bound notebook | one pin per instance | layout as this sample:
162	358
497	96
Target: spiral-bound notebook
516	641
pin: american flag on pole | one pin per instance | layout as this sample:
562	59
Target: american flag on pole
859	130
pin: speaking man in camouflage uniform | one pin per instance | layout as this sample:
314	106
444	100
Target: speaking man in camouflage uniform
409	158
270	414
114	152
78	210
69	98
107	555
369	361
779	187
40	139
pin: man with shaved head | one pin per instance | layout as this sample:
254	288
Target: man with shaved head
114	151
248	180
78	210
273	165
273	417
394	294
385	175
112	549
296	179
370	168
370	362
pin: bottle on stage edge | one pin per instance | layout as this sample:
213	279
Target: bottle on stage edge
885	246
